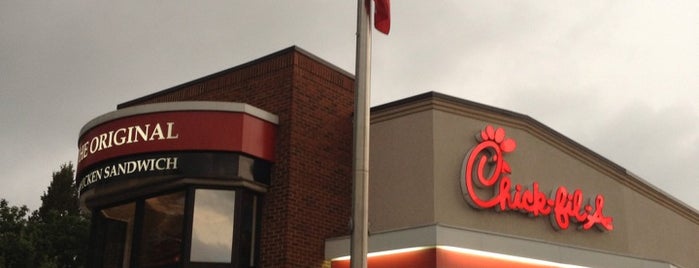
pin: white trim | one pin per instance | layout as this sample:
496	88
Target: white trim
181	106
445	236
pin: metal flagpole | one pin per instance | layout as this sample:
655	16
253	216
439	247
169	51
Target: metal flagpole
360	192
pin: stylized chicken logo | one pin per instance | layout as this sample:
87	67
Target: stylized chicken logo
485	167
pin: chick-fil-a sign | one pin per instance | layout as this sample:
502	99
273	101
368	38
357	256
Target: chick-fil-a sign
485	167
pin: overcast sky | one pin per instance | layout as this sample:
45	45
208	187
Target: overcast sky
620	77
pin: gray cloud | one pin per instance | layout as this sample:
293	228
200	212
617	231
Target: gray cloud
618	77
660	145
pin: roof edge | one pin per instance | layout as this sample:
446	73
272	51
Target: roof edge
287	50
430	100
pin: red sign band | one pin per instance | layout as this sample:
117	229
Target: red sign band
167	131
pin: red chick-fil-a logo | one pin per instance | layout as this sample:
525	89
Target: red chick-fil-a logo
485	167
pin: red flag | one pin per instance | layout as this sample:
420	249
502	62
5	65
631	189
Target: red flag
382	15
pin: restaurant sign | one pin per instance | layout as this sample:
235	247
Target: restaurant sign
178	139
484	167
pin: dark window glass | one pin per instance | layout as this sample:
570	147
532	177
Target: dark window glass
204	227
161	234
248	222
118	223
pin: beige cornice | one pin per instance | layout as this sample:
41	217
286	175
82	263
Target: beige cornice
449	104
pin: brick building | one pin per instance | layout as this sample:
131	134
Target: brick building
310	179
251	167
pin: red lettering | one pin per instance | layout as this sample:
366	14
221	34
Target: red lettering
541	202
597	218
484	167
561	219
481	155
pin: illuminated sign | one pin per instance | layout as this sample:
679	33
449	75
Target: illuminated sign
175	140
165	131
484	167
125	135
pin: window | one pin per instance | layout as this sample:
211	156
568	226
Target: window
212	227
161	233
194	227
118	225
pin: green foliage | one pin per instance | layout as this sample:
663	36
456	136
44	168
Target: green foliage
61	195
63	240
56	235
16	244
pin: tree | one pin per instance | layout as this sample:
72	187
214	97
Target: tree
61	195
62	232
54	236
16	244
62	240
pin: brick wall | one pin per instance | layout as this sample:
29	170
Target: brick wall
309	198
